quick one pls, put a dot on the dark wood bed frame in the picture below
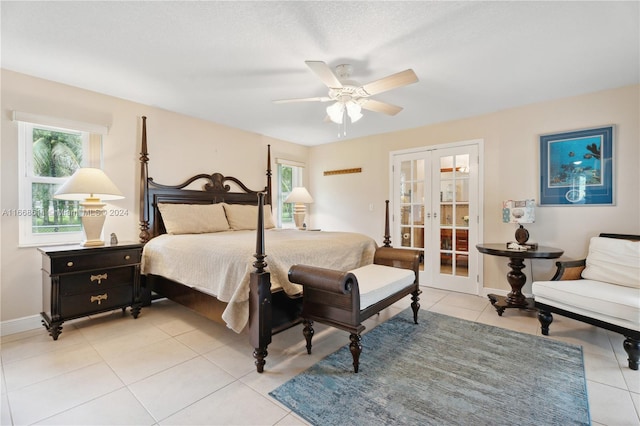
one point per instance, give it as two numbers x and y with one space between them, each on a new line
269 313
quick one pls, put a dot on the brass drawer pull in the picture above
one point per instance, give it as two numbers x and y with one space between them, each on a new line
69 264
99 278
99 298
127 257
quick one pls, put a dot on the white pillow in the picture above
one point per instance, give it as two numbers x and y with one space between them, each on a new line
243 216
614 261
193 218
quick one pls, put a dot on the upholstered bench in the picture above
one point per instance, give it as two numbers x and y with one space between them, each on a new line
345 299
602 290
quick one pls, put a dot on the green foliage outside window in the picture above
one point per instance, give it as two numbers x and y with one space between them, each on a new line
55 154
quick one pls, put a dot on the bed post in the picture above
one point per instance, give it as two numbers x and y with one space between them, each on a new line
268 198
260 296
144 185
387 235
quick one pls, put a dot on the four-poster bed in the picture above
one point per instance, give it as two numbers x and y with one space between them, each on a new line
241 291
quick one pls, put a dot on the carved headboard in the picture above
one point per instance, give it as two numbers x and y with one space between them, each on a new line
216 189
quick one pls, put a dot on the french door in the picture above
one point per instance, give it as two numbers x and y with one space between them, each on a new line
435 209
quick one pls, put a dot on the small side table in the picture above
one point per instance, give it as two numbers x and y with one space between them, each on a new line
515 298
79 281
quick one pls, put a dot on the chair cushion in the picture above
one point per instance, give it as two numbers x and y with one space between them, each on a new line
377 282
610 303
613 260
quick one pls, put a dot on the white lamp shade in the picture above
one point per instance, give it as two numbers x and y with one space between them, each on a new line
299 194
88 183
336 112
518 211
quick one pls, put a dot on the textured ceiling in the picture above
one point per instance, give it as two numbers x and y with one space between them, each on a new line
227 61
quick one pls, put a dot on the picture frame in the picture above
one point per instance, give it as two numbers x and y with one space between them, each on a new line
576 168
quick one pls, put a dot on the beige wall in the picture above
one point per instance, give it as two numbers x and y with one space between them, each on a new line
511 170
179 147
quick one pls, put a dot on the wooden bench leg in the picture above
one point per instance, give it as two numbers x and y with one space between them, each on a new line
632 347
415 306
307 331
545 319
356 350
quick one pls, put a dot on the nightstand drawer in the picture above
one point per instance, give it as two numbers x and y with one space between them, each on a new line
83 262
96 281
97 301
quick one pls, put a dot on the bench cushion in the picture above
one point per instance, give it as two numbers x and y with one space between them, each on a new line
377 282
614 261
610 303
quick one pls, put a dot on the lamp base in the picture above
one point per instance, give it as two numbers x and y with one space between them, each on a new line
299 212
93 216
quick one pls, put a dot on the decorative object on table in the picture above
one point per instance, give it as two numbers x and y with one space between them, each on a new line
521 211
576 168
114 239
515 298
90 186
444 371
300 196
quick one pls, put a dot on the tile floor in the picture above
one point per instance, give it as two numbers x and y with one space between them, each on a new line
173 367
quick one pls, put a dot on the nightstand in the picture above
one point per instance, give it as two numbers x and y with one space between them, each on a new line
79 281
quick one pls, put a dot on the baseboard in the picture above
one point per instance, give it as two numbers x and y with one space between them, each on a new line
20 324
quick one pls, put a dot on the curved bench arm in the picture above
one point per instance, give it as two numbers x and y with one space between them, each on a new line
322 279
398 258
569 270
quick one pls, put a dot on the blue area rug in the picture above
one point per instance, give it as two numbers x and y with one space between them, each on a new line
443 371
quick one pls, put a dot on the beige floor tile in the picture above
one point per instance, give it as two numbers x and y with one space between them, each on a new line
28 344
53 396
236 359
135 364
604 369
223 408
113 346
292 420
116 408
611 406
171 390
35 369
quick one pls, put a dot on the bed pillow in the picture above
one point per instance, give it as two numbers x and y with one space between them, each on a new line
242 216
193 218
613 260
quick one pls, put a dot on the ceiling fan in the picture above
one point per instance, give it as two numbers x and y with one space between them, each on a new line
349 96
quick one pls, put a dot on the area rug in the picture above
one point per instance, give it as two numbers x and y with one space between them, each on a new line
443 371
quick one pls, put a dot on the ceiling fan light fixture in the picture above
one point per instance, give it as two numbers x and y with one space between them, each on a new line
354 111
336 112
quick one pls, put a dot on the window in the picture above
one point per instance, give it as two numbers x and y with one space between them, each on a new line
48 156
289 176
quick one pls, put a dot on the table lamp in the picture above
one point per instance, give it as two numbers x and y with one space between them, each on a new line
519 212
90 186
300 196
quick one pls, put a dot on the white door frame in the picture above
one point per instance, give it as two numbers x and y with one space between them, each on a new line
480 215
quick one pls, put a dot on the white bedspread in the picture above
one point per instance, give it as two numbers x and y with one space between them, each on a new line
220 263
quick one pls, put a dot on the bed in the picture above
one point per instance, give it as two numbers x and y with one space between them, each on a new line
215 263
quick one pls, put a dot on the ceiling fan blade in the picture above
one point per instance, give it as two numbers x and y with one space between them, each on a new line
325 73
393 81
316 99
377 106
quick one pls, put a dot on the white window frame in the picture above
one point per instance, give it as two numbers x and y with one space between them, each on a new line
298 180
92 157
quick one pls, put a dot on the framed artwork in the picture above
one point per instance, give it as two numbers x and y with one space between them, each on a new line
576 168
